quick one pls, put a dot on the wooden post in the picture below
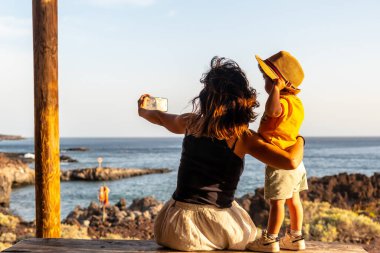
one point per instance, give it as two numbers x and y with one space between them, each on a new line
46 129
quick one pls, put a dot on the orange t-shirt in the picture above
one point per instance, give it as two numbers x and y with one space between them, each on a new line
282 131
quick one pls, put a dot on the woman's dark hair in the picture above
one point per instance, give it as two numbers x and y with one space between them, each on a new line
224 107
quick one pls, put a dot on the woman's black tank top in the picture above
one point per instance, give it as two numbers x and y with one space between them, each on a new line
208 173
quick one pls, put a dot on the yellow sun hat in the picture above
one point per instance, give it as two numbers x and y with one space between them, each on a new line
283 65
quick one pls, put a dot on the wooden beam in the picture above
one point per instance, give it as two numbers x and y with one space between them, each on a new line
46 129
116 246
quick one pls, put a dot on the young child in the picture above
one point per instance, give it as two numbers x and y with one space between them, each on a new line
280 125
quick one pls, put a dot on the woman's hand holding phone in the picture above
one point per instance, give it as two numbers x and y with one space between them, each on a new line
153 110
142 104
148 102
149 106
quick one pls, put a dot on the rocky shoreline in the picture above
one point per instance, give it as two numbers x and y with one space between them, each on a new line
356 192
76 149
133 221
343 207
16 173
106 174
4 137
29 157
13 173
136 222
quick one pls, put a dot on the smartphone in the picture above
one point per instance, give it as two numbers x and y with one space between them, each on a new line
157 103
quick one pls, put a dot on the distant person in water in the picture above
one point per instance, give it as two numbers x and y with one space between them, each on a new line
279 126
202 214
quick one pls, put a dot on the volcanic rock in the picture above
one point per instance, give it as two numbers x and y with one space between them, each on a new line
13 173
105 174
126 221
347 191
79 149
4 137
29 157
67 159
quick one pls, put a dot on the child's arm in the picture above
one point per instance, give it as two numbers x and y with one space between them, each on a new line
173 122
273 106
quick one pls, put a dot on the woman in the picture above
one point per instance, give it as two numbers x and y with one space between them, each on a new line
202 214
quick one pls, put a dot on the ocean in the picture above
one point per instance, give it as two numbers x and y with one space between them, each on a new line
323 156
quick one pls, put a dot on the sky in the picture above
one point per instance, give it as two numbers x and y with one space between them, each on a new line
112 51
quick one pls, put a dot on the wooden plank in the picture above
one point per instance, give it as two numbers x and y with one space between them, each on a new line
46 130
38 245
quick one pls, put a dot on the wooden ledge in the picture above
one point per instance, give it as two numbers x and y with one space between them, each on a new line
75 245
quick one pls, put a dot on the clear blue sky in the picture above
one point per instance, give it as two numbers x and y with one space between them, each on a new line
112 51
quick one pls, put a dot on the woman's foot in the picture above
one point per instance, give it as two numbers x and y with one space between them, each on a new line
292 242
264 244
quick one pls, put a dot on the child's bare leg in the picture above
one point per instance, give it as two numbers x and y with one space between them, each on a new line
294 239
276 216
295 211
269 241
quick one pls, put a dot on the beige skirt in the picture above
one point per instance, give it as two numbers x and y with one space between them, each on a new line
192 227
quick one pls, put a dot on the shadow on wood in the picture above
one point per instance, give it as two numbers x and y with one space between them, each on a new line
73 245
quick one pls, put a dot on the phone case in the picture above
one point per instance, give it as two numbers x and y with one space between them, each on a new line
157 103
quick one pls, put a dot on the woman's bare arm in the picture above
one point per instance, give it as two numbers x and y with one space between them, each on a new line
173 122
272 155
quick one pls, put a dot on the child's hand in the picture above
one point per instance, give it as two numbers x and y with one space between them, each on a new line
280 83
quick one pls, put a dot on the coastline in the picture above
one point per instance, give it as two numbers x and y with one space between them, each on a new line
4 137
340 221
165 151
15 172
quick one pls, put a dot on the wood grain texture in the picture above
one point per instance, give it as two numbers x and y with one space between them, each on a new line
72 245
46 130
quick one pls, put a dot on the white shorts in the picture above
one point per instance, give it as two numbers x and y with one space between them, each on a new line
281 184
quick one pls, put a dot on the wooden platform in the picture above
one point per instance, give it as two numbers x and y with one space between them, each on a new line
72 245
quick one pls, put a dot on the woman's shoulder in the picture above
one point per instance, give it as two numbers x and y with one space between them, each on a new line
250 140
250 135
187 116
185 119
